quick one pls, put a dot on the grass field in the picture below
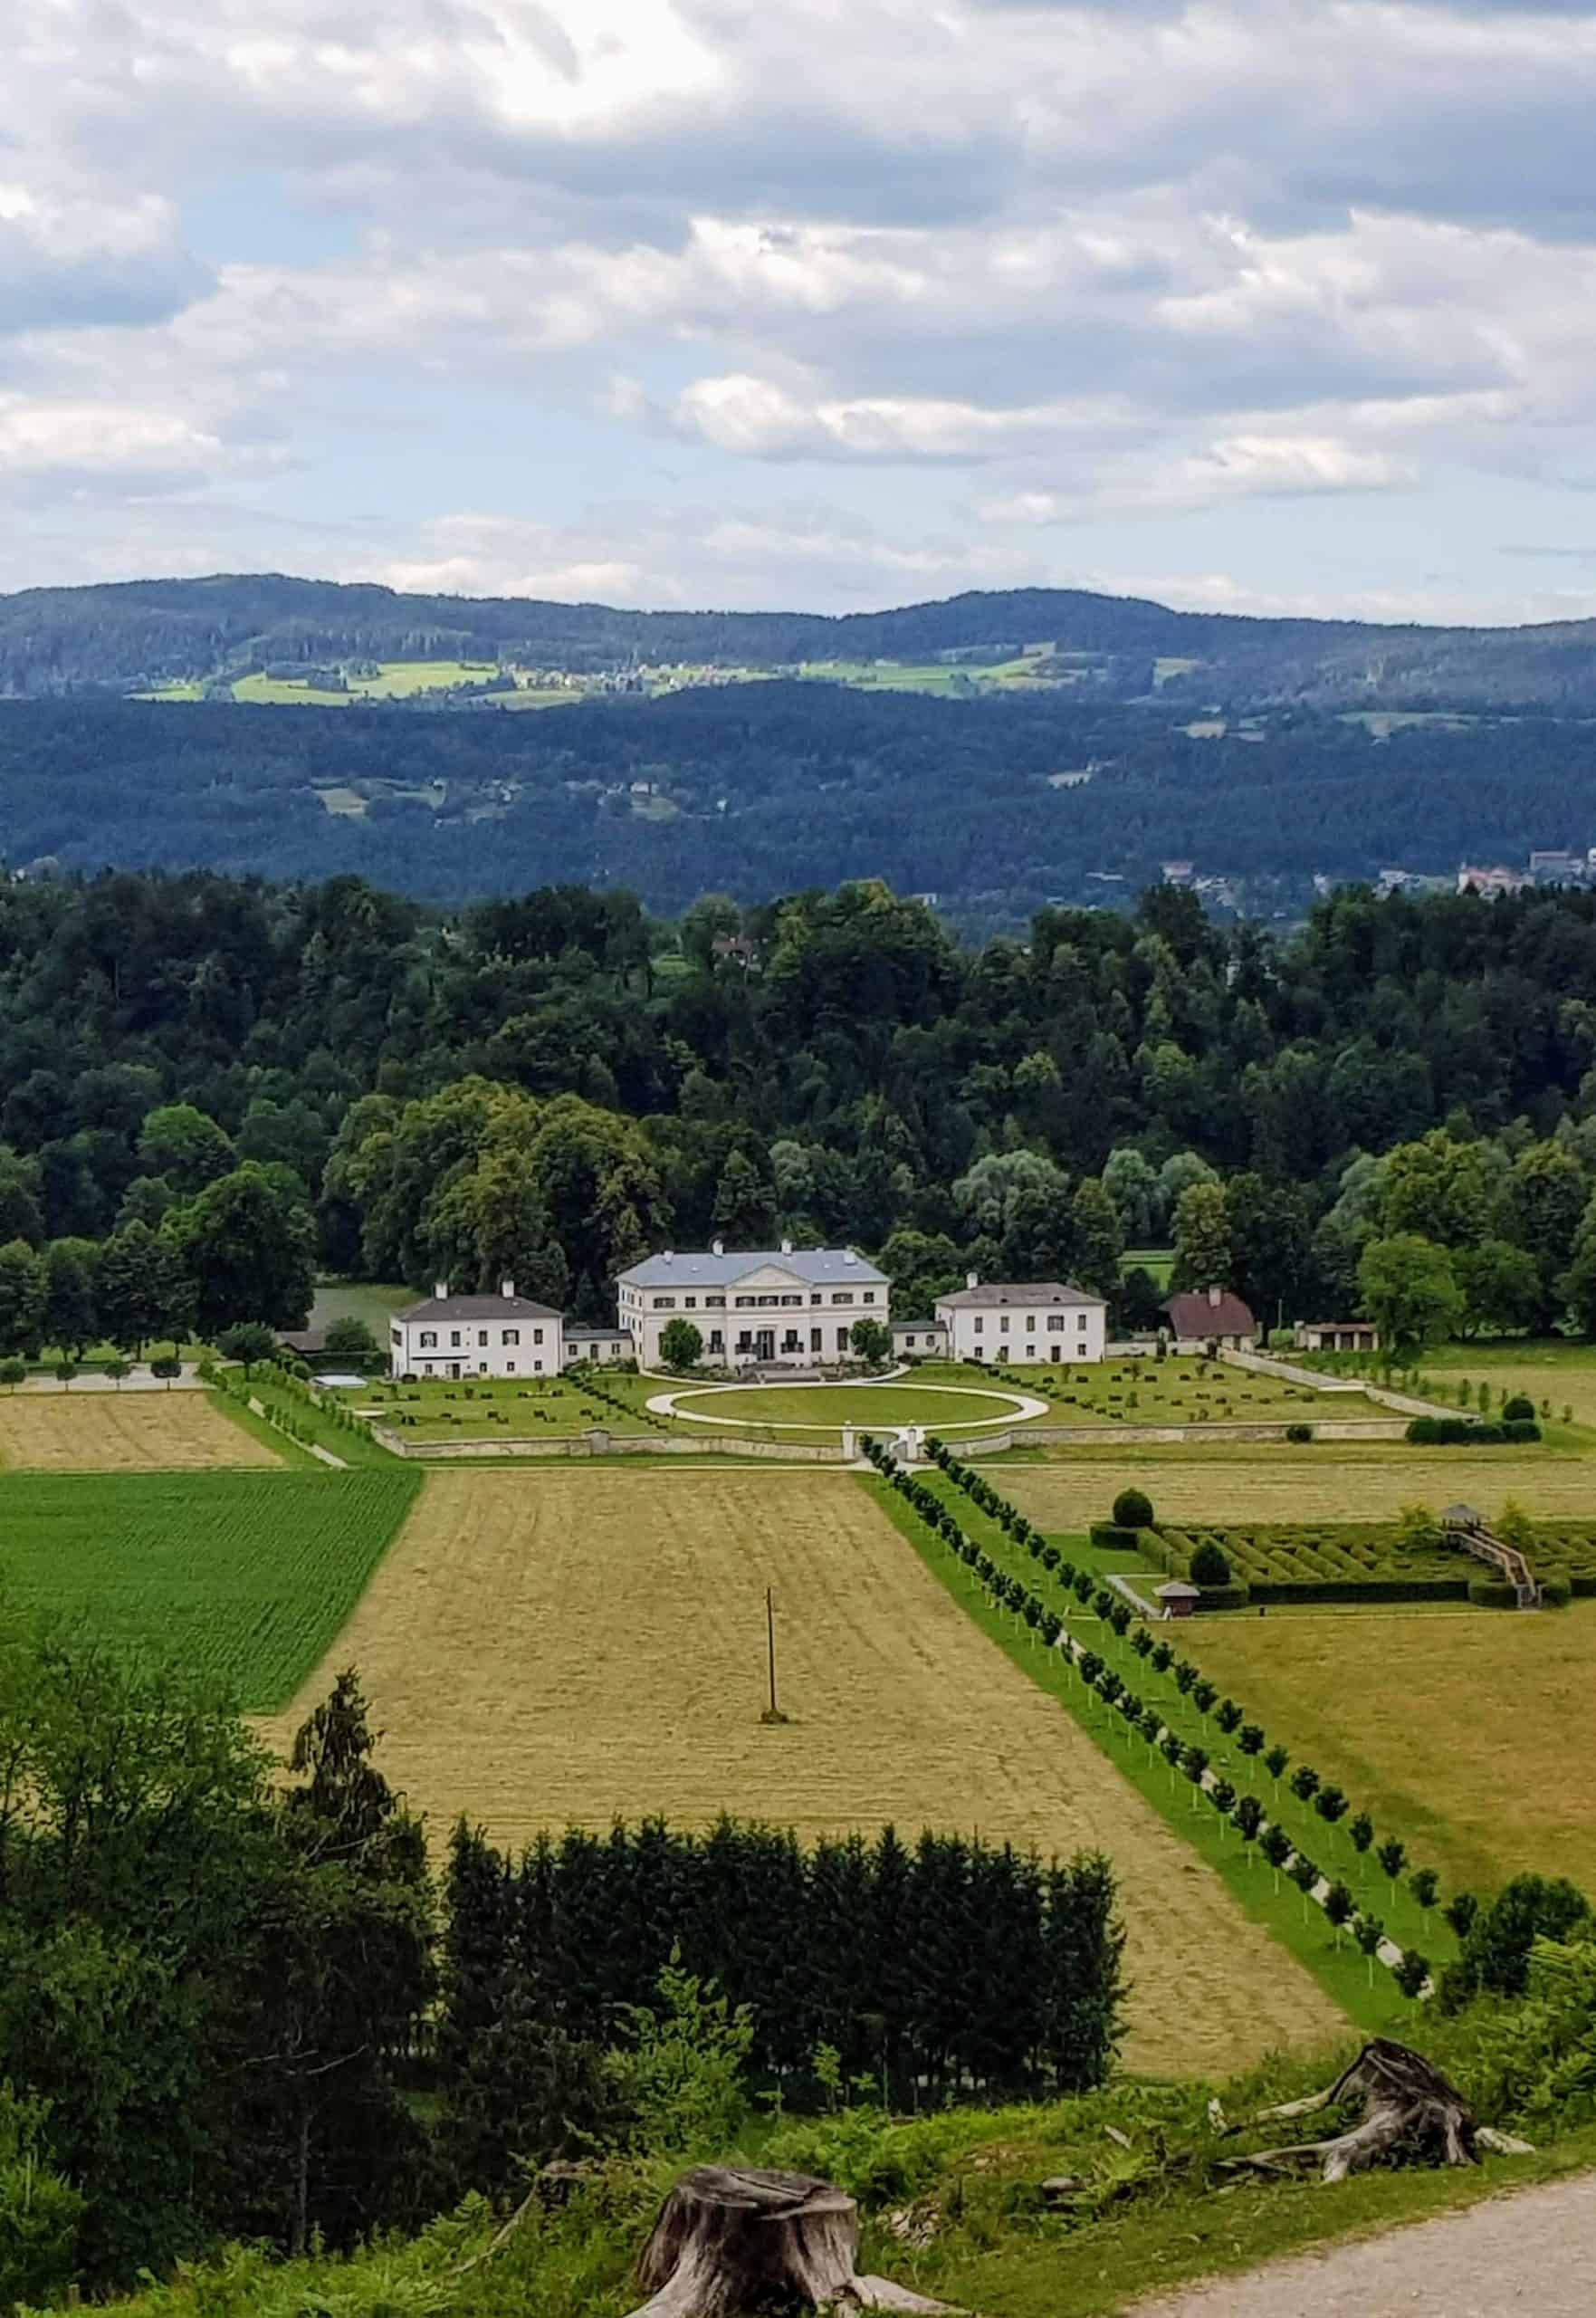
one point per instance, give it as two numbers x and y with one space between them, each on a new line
546 1648
242 1577
511 1407
372 1301
826 1407
1470 1735
141 1432
1332 1480
1177 1391
1563 1373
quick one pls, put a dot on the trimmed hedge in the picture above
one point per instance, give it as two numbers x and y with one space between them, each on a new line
1113 1537
1363 1589
1465 1432
1492 1593
1234 1597
1556 1591
1299 1433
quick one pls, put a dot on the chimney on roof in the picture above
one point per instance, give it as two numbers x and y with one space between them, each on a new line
972 1279
669 1255
717 1247
787 1247
1214 1296
439 1288
507 1288
848 1256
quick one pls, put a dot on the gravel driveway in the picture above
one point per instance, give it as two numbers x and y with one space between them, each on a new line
1529 2255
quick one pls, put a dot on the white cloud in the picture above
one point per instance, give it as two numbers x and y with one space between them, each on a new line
1155 262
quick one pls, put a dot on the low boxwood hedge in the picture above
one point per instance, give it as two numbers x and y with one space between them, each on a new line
1364 1589
1492 1593
1556 1590
1465 1432
1112 1537
1234 1597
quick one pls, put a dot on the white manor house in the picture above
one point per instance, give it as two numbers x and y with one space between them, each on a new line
784 1307
1019 1320
504 1335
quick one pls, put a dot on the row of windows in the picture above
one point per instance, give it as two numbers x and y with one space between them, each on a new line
429 1338
1056 1323
433 1367
761 1303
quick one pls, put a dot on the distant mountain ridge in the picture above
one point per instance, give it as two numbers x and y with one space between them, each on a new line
125 635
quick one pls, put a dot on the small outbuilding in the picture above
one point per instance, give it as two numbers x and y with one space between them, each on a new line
1179 1600
1467 1517
1337 1336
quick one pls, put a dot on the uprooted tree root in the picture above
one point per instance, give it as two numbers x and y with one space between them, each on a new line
732 2238
1409 2110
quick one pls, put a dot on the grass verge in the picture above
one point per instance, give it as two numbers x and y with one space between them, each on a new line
1367 1995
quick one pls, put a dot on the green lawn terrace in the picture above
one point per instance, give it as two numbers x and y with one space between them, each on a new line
1180 1389
483 1408
962 1402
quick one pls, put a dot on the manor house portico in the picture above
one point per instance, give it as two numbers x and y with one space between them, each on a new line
782 1307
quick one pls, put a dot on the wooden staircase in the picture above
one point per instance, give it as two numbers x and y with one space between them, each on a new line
1466 1528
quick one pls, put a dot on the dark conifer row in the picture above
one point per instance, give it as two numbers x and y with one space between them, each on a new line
949 1970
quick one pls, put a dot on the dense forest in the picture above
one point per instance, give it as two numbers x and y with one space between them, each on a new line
119 638
210 1087
997 806
234 2009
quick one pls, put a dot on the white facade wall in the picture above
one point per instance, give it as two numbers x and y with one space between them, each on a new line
499 1347
1017 1333
766 1317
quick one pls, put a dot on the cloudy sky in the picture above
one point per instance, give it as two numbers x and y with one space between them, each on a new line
1255 304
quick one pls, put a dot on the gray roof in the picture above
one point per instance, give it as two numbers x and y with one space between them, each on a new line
477 1308
1020 1291
574 1333
818 1267
1177 1590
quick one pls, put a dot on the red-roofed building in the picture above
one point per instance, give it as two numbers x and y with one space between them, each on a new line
1200 1317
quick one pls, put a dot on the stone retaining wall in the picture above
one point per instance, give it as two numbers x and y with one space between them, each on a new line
612 1444
1109 1436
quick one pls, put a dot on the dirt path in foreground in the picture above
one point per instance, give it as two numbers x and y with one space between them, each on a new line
1534 2251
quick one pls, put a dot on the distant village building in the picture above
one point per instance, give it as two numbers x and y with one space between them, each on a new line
787 1307
1213 1315
1337 1336
1019 1320
1178 873
1556 866
1491 882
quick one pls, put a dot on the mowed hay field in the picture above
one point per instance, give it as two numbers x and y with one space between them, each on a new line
1473 1736
123 1433
541 1649
1275 1481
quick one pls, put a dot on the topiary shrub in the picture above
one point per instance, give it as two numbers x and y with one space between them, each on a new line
1133 1509
1208 1564
1299 1433
1519 1406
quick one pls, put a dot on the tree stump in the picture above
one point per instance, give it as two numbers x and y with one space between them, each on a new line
732 2238
1408 2107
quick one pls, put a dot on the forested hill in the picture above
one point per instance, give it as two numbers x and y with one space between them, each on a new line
123 638
995 806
